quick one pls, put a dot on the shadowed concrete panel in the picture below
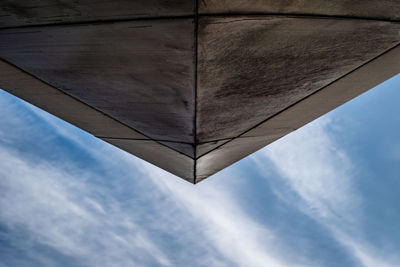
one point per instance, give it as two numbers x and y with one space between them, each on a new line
384 9
140 73
158 155
34 12
250 68
323 101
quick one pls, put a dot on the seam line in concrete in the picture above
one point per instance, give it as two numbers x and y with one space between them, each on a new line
196 44
215 140
144 139
294 15
95 22
299 101
197 15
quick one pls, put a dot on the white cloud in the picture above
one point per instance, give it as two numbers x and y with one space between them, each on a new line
320 177
227 227
87 222
62 212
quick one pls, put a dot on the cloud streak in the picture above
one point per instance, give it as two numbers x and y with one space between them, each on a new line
81 215
61 212
321 180
117 210
227 227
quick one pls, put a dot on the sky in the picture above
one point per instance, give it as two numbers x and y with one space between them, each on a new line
327 194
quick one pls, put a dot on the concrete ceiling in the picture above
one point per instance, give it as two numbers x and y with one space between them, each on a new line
193 87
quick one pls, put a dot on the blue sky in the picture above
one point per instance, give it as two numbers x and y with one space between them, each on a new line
325 195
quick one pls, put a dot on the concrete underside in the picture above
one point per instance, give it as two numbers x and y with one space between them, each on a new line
194 87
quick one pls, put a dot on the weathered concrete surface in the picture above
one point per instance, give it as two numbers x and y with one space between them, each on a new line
250 68
384 9
125 71
35 12
348 87
168 159
141 73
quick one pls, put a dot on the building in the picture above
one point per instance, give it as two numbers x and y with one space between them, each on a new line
189 86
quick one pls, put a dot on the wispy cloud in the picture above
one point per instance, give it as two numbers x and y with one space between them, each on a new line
321 180
62 212
227 227
121 211
73 212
